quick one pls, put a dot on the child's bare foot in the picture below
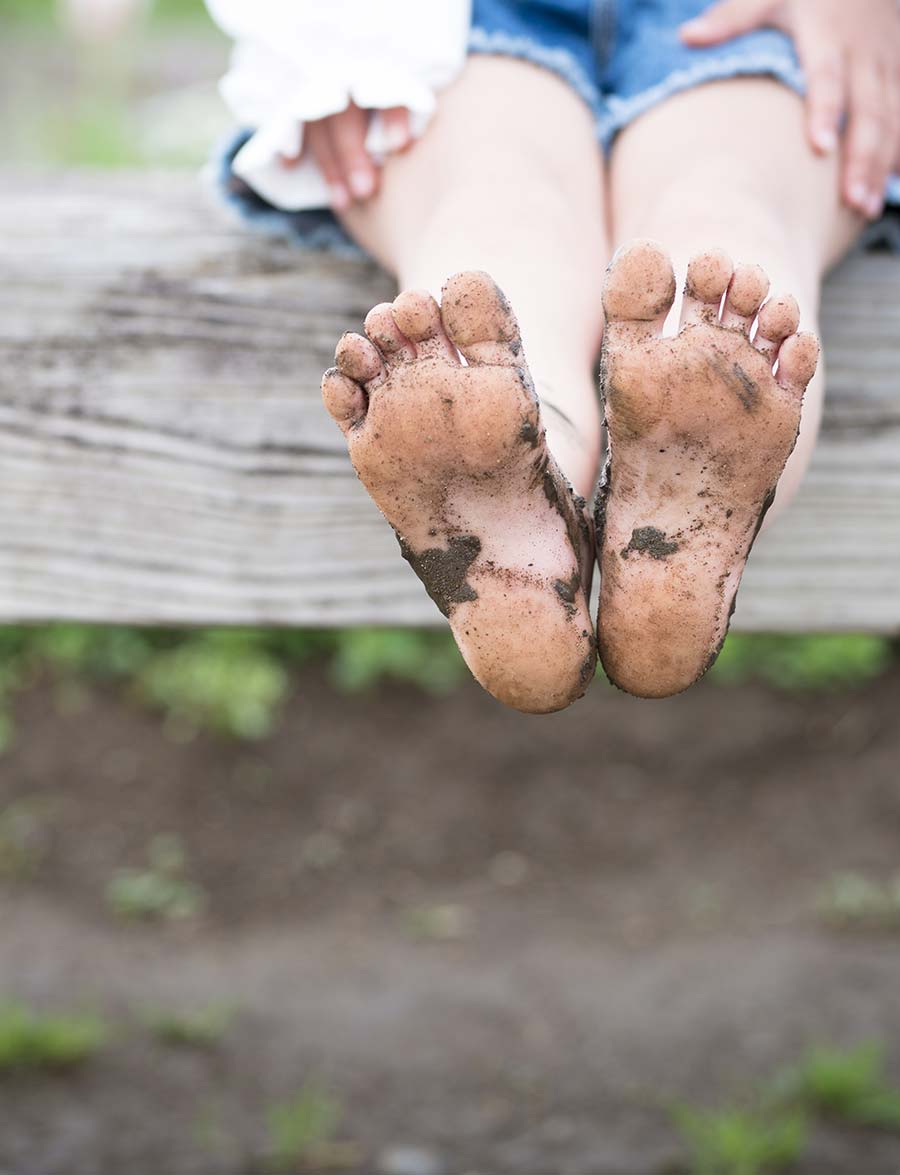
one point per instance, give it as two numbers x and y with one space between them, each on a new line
456 459
699 432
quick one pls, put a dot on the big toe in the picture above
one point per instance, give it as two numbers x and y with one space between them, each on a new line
640 284
479 320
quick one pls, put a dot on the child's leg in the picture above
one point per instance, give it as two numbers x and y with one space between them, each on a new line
507 180
728 164
724 165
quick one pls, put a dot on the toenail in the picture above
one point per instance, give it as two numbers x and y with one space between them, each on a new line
395 138
361 184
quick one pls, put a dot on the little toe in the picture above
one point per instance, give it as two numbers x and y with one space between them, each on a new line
778 319
393 344
748 288
797 362
708 277
418 317
640 287
358 359
479 320
344 398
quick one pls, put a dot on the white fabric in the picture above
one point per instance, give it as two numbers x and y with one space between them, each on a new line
295 61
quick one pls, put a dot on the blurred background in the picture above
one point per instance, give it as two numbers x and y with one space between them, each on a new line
308 901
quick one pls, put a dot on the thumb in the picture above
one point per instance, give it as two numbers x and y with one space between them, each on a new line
729 18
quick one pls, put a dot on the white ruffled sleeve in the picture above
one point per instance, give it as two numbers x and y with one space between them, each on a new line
295 61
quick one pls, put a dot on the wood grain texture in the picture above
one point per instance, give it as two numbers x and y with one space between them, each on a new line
166 458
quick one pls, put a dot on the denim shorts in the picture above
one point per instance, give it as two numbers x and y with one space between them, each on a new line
622 57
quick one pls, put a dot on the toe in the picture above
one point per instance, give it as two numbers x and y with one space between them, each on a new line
640 286
344 398
797 362
778 319
478 319
418 317
358 359
393 344
708 277
748 287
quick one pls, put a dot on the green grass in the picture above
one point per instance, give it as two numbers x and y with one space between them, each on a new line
845 1085
768 1132
222 681
199 1028
160 892
740 1142
825 662
32 1040
851 901
163 13
234 682
440 923
302 1131
366 656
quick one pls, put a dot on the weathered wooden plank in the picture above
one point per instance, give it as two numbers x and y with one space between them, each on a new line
165 457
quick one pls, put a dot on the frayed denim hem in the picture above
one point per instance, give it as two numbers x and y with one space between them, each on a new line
558 61
316 229
619 112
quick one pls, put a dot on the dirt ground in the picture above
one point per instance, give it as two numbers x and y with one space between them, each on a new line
633 918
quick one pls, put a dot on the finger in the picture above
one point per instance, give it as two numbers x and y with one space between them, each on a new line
825 67
290 158
864 139
727 19
397 131
891 141
348 136
318 142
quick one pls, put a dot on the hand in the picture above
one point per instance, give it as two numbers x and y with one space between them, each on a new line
338 145
851 55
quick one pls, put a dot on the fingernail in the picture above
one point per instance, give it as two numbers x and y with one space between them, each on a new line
340 197
858 194
825 139
362 184
874 206
698 25
396 138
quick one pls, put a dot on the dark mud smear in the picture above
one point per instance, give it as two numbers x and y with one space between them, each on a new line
737 380
589 664
530 433
601 501
647 540
568 590
568 505
443 570
747 389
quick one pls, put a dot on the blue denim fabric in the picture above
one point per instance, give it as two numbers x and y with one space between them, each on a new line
621 56
625 56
